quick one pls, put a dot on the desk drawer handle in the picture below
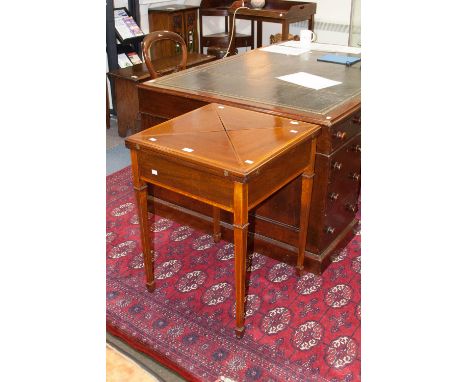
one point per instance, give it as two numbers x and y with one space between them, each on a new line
337 165
334 196
340 134
352 207
356 148
330 230
355 176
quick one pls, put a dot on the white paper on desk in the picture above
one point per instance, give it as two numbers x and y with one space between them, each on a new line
309 80
323 47
290 50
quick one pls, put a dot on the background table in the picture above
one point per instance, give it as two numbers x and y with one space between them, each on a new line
275 11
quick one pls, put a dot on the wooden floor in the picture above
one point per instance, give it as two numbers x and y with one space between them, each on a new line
119 368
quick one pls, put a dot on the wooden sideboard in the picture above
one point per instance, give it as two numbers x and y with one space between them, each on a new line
181 19
249 81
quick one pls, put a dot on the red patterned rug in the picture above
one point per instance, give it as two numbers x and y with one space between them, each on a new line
297 328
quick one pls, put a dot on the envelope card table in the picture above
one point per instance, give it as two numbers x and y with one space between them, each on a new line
231 159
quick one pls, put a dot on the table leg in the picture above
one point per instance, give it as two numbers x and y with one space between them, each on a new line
307 183
252 34
232 34
306 196
141 194
216 227
240 251
259 33
284 31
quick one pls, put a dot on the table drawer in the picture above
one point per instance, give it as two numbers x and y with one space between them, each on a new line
193 182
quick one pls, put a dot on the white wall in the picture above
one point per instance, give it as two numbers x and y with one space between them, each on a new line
120 3
355 38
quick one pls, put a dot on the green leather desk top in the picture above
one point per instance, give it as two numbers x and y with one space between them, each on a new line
250 78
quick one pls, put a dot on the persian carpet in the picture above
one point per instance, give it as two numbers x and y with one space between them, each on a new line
297 328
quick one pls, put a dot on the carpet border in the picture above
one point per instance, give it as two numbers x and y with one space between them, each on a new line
153 354
116 172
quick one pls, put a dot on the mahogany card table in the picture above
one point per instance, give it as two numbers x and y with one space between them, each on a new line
231 159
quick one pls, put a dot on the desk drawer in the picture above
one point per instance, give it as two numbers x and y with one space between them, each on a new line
337 220
343 190
345 173
337 135
346 162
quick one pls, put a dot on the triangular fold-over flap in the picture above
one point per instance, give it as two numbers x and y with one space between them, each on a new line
240 119
208 147
255 146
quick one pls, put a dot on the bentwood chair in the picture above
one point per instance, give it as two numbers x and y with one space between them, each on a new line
160 36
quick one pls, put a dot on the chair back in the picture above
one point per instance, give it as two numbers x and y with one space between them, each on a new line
159 36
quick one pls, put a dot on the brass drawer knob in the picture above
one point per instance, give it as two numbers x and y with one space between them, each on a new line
352 207
355 176
337 165
330 230
340 135
334 196
356 148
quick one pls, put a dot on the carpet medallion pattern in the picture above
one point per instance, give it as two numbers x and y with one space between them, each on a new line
297 328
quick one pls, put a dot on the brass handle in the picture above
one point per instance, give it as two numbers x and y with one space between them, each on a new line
356 148
357 119
340 134
330 230
337 165
334 196
352 207
355 176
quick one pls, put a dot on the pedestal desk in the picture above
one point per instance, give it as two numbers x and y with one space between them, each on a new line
249 81
228 158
